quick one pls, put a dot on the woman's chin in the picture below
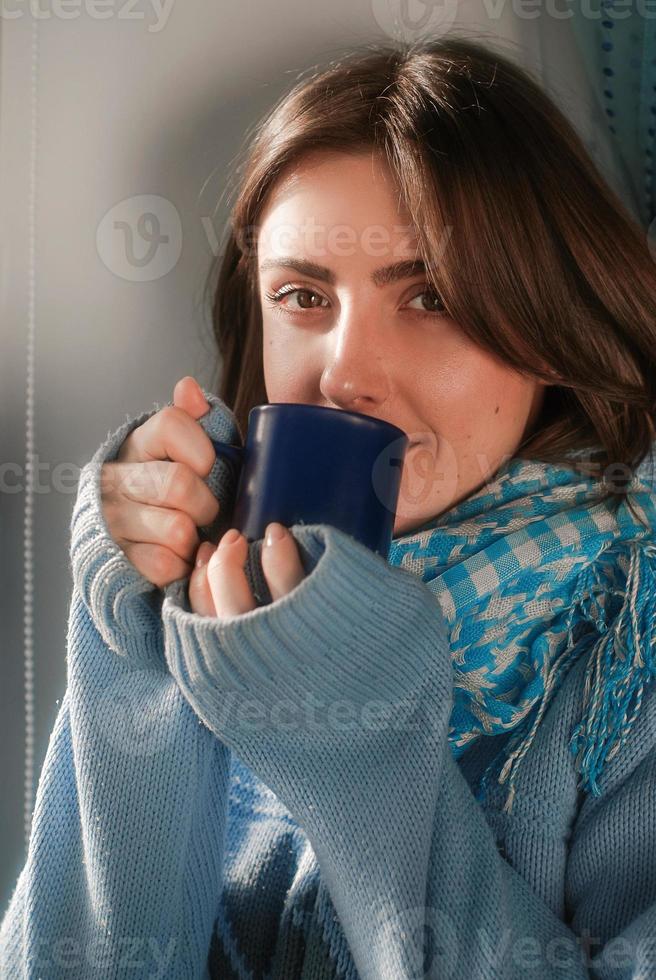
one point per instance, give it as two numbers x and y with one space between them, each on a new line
402 525
408 524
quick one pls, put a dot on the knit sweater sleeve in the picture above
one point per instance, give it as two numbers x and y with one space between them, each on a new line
338 696
123 605
125 856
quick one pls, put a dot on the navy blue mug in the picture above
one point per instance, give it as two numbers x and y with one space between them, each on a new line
309 464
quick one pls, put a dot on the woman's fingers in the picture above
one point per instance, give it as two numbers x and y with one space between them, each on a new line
229 586
200 594
171 529
162 484
188 395
281 562
159 565
170 434
224 581
154 494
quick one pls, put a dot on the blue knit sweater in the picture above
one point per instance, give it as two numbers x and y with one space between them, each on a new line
273 795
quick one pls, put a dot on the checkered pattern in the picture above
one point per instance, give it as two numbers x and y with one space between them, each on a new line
531 572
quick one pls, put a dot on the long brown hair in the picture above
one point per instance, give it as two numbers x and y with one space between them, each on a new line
545 268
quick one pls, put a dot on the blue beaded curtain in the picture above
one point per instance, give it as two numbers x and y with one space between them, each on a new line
617 39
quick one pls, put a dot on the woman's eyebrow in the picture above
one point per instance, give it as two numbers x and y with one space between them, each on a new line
380 277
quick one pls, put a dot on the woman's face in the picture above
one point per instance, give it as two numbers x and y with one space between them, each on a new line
348 333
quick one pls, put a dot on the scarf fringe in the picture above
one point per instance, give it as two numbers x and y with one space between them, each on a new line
621 661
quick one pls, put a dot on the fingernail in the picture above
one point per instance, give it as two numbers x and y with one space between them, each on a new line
203 554
230 537
274 532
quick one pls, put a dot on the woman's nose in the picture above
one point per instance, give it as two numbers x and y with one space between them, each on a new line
354 376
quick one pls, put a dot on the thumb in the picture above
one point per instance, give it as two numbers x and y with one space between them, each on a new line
189 396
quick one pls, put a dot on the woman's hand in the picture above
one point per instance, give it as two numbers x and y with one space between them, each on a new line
154 495
218 585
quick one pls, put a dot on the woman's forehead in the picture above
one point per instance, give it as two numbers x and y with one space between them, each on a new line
331 182
326 221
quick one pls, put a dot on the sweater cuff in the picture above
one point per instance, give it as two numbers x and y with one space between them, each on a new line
355 632
124 605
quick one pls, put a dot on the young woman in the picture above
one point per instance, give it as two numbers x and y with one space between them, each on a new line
438 765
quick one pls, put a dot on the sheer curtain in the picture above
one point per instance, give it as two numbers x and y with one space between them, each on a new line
597 59
618 49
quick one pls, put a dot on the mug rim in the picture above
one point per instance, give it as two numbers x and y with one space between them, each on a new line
310 409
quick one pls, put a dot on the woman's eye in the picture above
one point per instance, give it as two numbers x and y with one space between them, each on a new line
307 299
304 298
434 302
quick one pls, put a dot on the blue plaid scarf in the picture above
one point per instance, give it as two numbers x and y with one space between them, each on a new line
532 572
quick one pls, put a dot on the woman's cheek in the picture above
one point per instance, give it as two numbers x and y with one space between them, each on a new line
285 370
430 478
